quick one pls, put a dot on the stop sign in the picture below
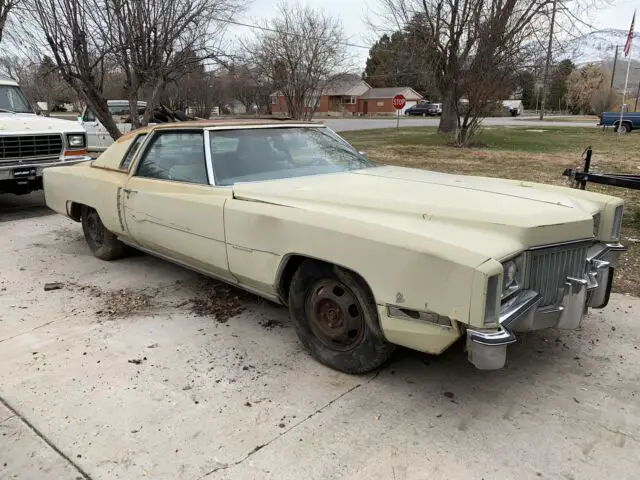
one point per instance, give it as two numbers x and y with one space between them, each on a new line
399 102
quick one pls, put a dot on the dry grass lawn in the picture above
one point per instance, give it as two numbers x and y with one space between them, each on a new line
523 154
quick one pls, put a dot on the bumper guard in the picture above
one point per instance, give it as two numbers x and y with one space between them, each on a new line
521 313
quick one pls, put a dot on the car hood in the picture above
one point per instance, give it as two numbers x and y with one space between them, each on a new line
11 123
504 216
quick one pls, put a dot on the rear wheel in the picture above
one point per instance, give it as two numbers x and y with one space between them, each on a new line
335 317
102 243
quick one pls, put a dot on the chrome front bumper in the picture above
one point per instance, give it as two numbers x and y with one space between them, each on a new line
521 313
6 171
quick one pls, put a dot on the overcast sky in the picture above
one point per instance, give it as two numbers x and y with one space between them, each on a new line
352 13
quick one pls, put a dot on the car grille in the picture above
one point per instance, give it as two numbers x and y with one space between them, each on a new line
16 147
549 267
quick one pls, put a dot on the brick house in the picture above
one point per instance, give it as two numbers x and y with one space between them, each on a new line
352 96
378 100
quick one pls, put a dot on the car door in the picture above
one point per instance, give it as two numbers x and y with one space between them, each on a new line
170 205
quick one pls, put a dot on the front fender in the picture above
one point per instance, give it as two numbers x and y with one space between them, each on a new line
402 268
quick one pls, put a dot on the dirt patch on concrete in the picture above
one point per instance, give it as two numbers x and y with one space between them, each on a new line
219 300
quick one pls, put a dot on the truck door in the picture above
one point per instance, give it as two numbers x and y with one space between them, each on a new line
92 126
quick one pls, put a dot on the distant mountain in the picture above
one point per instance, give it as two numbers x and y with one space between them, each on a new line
599 48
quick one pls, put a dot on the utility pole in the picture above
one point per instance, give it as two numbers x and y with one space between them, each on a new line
613 72
546 66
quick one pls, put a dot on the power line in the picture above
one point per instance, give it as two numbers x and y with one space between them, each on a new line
281 32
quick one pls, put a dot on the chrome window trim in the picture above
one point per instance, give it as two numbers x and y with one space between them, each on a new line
208 158
561 244
265 126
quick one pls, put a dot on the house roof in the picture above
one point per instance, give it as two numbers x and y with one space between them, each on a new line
390 92
345 86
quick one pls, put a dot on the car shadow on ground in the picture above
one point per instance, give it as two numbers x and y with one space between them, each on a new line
20 207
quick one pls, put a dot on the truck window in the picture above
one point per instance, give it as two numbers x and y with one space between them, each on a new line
88 116
13 100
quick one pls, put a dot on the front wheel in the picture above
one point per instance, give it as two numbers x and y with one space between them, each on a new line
335 318
624 128
102 243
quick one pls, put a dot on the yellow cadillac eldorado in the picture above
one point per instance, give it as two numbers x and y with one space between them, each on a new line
365 257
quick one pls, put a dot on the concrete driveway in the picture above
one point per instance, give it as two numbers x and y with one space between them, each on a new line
123 370
347 124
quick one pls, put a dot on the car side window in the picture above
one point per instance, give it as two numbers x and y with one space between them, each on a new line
135 146
89 116
177 156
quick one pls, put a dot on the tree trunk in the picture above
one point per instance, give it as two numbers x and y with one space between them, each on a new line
98 105
449 117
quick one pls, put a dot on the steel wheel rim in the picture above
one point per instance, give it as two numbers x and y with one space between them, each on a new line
335 315
95 229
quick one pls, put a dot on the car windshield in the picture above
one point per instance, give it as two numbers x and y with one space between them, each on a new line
12 99
257 154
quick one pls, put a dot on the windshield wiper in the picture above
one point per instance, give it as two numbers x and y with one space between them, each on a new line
6 110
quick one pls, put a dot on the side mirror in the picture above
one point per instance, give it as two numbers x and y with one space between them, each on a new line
80 119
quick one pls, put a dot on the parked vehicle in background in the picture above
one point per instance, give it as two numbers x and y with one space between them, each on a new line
630 121
512 107
29 143
424 109
97 136
366 257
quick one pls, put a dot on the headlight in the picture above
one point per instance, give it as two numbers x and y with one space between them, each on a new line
512 275
509 278
617 223
76 140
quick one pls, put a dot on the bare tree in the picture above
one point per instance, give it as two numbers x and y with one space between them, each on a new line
150 42
160 41
78 49
248 86
588 89
6 6
467 43
298 51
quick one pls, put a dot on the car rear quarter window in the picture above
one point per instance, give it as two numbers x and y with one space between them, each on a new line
177 156
131 153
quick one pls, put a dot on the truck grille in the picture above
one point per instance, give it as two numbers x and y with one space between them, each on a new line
15 147
549 267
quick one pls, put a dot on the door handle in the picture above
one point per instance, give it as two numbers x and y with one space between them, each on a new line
129 191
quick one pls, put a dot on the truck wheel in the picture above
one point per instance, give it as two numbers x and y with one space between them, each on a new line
624 128
102 243
335 317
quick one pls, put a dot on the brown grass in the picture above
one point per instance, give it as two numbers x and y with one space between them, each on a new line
511 157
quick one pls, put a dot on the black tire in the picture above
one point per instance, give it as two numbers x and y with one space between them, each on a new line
625 128
102 243
356 344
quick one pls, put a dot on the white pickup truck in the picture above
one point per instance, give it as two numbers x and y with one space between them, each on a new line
29 142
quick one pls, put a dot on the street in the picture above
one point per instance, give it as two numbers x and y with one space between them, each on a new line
347 124
140 369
